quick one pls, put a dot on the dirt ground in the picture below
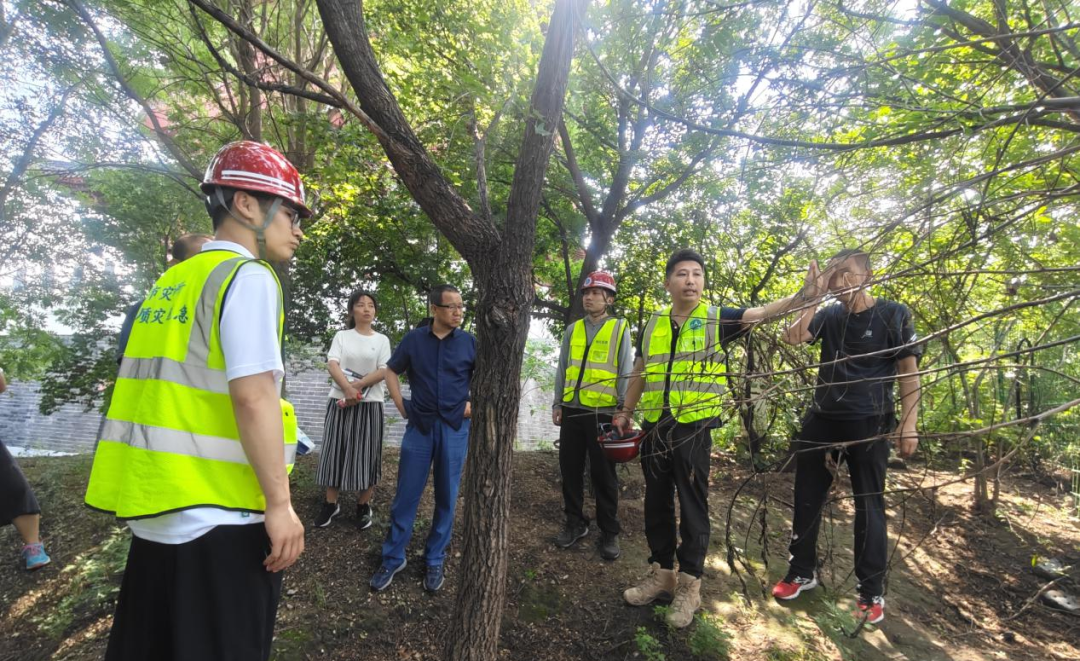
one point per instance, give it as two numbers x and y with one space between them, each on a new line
960 587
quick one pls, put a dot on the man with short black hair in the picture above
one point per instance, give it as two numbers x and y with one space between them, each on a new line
867 344
590 383
438 359
197 446
679 378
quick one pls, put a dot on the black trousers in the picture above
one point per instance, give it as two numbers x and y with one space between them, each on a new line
577 438
208 599
675 461
866 464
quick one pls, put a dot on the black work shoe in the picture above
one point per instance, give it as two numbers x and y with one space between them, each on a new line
609 546
570 534
327 514
364 516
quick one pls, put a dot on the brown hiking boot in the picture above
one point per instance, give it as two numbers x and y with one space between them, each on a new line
659 584
687 601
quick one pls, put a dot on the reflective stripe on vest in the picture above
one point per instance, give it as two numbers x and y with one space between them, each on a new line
598 371
170 441
695 374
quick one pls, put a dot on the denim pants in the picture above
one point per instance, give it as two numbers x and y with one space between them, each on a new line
441 451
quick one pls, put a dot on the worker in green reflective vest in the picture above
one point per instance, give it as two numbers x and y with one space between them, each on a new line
197 444
590 383
677 385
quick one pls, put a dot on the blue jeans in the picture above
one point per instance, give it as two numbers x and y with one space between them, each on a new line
446 449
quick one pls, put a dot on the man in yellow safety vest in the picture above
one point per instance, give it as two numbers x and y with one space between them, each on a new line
678 380
590 383
195 452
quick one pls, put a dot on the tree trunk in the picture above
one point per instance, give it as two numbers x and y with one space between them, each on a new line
502 270
505 303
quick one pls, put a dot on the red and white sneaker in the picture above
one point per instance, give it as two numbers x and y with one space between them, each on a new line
872 608
792 586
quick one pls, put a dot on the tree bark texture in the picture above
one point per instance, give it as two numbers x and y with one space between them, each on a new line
501 264
505 302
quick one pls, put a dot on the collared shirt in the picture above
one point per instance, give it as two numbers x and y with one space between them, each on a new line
439 372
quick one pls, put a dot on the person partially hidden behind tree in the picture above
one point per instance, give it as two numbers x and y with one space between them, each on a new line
866 344
679 380
185 246
18 506
590 383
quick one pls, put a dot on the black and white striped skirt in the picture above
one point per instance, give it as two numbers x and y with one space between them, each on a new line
350 458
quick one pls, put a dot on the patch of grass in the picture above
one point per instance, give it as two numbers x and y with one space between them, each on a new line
291 645
93 583
836 623
648 645
708 640
539 602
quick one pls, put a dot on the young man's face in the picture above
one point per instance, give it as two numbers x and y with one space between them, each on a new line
686 282
595 299
282 235
848 279
451 311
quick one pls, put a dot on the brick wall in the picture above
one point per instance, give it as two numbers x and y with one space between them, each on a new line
71 429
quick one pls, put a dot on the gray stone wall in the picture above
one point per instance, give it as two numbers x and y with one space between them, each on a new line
73 430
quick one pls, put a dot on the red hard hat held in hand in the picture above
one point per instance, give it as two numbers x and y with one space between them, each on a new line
253 166
620 448
601 279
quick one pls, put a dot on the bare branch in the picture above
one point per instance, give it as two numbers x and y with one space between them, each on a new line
162 135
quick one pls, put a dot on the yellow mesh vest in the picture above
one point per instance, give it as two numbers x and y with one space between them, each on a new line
601 369
170 440
697 377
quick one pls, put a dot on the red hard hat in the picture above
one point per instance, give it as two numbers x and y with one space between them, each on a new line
253 166
621 448
601 279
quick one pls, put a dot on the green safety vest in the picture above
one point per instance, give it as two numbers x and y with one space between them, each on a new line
694 375
592 370
170 440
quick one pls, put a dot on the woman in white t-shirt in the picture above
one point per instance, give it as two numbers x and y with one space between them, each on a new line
351 454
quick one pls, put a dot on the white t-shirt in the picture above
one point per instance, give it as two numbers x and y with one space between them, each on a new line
362 354
249 341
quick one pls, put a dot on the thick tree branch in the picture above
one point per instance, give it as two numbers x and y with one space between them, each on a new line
474 237
584 194
544 117
1009 53
27 156
254 39
166 139
253 81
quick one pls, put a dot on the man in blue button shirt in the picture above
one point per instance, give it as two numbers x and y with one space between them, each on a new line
438 359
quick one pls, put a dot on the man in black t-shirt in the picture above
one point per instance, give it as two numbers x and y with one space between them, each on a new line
866 345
